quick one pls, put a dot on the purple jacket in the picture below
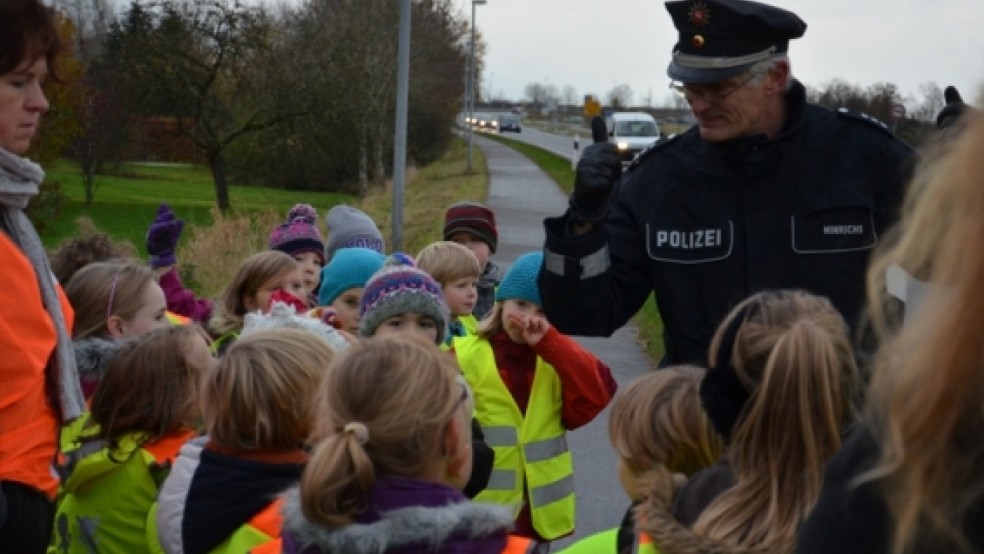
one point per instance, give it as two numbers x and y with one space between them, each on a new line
182 301
404 516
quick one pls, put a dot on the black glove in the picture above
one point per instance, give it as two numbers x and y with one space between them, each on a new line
954 108
597 172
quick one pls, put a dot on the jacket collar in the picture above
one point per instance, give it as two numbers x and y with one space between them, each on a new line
432 526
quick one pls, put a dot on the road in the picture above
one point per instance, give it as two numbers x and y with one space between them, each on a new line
560 144
521 195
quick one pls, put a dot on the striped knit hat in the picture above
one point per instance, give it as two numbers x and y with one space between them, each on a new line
399 288
299 233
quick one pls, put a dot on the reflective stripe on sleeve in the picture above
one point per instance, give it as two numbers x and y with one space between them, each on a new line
587 267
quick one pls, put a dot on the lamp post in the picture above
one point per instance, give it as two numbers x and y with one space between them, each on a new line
469 86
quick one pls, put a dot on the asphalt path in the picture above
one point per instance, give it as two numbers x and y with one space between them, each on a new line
521 196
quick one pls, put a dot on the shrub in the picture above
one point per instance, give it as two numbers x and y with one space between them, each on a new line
47 205
210 255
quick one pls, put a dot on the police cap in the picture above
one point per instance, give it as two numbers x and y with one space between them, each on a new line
722 38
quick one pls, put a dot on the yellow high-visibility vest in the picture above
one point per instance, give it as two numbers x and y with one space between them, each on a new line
530 451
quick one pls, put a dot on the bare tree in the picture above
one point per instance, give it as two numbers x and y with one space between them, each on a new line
620 97
538 95
199 64
570 97
342 53
931 104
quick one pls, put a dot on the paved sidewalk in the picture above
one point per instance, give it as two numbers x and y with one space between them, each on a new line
521 195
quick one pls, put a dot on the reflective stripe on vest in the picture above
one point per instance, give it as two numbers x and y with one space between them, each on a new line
530 451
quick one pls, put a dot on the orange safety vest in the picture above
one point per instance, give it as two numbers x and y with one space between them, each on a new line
28 422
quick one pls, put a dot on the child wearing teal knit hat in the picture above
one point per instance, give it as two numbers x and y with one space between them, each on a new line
532 384
343 281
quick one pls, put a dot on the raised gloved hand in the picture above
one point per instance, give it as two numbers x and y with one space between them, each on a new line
162 237
952 110
597 172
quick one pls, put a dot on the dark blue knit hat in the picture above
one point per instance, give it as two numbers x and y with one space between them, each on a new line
520 282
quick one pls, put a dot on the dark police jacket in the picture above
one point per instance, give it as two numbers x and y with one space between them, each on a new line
704 225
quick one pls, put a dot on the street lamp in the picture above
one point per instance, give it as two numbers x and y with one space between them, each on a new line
469 87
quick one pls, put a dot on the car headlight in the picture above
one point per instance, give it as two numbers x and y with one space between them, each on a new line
623 146
495 124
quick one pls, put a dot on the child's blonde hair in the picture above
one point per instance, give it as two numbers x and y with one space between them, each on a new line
925 399
658 420
251 275
103 289
150 386
261 395
792 354
448 261
384 407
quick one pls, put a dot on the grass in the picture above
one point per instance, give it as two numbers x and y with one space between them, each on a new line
650 327
125 204
429 192
214 244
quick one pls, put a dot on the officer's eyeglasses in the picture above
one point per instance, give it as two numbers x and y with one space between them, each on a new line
713 94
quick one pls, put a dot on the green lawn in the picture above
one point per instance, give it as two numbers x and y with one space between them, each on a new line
125 204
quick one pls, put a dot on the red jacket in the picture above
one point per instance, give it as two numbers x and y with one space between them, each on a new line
587 385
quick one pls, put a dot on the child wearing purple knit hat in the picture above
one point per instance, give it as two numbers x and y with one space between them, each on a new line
299 237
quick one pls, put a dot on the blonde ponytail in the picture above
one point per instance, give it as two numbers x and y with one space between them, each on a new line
794 356
383 409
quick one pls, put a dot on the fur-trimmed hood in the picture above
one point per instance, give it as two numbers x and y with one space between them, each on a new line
654 516
92 355
456 527
282 316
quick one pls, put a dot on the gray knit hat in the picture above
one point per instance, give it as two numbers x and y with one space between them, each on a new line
399 288
349 227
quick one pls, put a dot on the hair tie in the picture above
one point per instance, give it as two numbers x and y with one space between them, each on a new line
722 393
359 430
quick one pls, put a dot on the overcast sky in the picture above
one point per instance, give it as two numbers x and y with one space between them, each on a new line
592 44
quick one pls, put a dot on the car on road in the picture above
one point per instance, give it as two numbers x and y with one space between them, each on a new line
631 132
485 121
509 122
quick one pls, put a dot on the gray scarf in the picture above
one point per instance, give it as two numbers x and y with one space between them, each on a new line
19 180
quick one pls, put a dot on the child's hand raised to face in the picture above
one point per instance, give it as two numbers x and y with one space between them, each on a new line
532 326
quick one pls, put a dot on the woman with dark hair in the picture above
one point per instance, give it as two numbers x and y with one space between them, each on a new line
40 383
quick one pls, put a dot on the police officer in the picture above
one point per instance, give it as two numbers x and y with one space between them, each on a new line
765 191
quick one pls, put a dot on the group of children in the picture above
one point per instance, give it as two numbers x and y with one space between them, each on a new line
200 460
449 436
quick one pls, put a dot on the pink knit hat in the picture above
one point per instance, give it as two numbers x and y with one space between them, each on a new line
299 233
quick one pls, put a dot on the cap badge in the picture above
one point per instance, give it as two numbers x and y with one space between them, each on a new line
698 41
699 15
